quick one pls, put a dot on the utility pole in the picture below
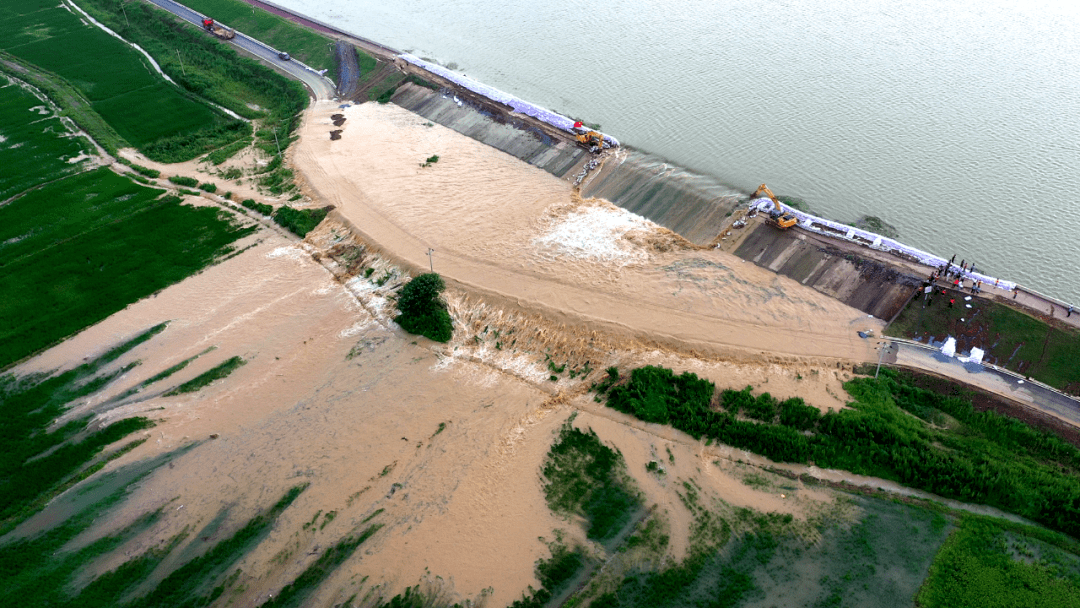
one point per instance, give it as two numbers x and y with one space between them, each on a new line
124 8
276 142
881 355
431 264
181 62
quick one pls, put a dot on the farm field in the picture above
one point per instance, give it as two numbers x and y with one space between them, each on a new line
85 247
211 69
117 81
35 144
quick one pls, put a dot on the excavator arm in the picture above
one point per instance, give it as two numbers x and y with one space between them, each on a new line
777 217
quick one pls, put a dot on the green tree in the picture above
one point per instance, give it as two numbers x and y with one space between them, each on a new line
422 310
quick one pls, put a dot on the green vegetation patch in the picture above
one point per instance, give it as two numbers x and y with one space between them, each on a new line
36 462
299 221
225 153
988 460
1011 339
34 144
989 563
92 244
217 372
262 208
422 310
587 478
183 180
115 79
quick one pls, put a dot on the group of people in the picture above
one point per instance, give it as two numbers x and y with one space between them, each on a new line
956 273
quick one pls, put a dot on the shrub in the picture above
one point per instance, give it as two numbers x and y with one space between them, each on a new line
795 413
208 187
183 180
422 310
262 208
300 221
763 408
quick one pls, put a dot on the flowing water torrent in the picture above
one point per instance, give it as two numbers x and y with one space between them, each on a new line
956 123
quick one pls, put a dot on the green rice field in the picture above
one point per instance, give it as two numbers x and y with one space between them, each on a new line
35 146
78 250
117 81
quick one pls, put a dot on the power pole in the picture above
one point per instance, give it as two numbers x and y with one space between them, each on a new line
124 8
181 62
431 264
881 355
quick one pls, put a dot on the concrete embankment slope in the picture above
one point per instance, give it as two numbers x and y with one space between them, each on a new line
835 268
495 127
689 204
693 206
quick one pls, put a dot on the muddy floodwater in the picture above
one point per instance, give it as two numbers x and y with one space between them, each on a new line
442 446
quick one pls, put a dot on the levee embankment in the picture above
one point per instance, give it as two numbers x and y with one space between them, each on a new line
834 268
694 206
496 126
691 205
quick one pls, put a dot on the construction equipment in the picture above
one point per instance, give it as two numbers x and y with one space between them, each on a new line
777 216
218 30
594 140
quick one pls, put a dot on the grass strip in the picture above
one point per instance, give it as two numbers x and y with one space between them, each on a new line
217 372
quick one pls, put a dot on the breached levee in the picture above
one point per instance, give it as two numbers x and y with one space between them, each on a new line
471 118
693 206
689 204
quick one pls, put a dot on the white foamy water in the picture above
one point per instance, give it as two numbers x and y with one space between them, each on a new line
955 121
597 234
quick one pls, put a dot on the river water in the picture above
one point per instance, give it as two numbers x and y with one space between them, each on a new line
958 122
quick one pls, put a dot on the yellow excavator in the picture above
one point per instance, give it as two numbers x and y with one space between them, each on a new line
777 216
594 140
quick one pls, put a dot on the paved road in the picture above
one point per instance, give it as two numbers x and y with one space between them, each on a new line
320 86
992 379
